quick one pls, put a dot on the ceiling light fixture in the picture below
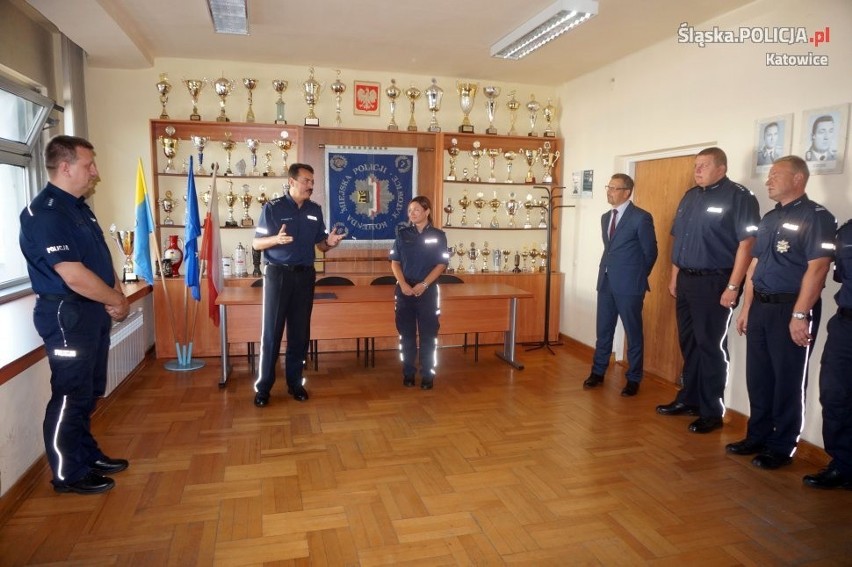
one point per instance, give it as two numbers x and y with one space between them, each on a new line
229 16
545 26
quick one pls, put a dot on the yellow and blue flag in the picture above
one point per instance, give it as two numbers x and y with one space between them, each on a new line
144 228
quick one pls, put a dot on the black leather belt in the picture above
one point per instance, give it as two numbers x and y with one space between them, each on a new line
844 312
75 297
776 297
691 272
291 267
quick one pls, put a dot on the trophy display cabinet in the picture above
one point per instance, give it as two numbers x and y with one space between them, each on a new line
180 139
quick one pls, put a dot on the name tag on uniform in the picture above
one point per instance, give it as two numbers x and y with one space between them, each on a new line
716 210
430 240
312 217
789 226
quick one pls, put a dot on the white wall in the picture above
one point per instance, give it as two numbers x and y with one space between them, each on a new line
673 95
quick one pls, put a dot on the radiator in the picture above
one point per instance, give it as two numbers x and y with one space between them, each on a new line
126 349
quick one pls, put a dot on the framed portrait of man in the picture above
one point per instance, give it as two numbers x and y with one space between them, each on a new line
823 138
772 140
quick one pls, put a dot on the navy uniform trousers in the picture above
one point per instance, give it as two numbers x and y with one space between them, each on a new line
835 392
76 338
418 316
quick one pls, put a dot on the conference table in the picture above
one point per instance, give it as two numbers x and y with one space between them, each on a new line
351 312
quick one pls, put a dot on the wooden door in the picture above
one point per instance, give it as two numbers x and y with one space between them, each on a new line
660 184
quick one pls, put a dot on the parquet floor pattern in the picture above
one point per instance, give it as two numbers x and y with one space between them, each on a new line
494 466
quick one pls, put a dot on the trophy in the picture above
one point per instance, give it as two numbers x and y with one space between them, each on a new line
124 241
494 203
475 154
338 87
453 150
525 253
479 203
195 86
267 171
250 84
434 94
491 93
528 204
543 206
230 200
412 93
280 86
497 259
506 252
492 154
451 250
513 105
531 156
467 94
168 205
472 255
246 198
311 89
449 210
517 268
393 93
164 87
284 144
486 252
548 159
253 144
534 253
223 88
542 267
532 107
262 199
549 110
170 145
460 252
509 157
228 145
512 208
199 142
464 203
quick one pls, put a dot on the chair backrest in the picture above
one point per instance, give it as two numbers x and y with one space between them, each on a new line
257 283
449 279
384 280
334 280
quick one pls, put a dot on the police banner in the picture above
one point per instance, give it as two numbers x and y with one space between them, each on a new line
367 192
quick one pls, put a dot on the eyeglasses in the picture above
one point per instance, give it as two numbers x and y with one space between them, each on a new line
611 188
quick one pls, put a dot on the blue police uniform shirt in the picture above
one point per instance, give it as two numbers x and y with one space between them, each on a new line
843 266
59 227
788 238
710 223
305 224
419 252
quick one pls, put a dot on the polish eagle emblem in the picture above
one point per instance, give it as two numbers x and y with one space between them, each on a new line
368 98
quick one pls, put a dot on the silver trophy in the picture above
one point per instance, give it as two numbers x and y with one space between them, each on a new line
495 205
280 86
228 145
250 85
476 154
472 255
467 95
168 204
512 206
223 88
338 87
311 90
486 252
492 154
513 105
393 93
124 240
549 113
510 158
253 144
199 142
548 160
449 210
434 94
532 108
491 93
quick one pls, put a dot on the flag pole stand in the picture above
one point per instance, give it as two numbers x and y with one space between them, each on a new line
184 362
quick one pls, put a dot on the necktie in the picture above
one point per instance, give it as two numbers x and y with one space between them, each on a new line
612 223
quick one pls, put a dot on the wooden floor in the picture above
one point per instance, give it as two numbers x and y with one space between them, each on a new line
494 466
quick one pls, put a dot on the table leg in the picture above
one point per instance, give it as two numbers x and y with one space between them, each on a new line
508 354
223 337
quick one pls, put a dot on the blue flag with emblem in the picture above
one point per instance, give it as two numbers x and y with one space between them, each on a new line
193 231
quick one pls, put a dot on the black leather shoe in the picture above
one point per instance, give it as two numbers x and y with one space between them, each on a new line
260 400
426 385
631 389
771 460
298 392
744 447
828 478
593 381
109 466
408 381
677 408
705 424
92 483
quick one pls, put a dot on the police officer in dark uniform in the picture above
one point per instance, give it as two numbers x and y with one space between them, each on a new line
418 257
714 230
835 378
781 313
78 296
288 230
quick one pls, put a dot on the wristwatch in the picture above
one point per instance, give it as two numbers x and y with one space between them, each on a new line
799 315
733 287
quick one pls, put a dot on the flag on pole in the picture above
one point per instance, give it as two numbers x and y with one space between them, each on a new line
144 228
211 252
193 231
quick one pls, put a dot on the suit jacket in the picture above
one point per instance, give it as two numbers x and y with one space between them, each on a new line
631 254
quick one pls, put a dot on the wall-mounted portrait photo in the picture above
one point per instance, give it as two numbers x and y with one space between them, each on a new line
823 138
772 140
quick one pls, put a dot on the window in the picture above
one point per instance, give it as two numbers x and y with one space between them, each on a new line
23 112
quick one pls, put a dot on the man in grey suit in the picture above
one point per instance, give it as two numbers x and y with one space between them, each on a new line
630 250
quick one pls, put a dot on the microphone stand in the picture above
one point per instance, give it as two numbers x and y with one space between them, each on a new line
554 193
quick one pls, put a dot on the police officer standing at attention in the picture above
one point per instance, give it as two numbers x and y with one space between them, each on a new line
835 379
288 230
78 297
714 230
781 312
418 257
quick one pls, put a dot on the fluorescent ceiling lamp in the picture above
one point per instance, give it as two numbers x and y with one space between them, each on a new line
229 16
545 26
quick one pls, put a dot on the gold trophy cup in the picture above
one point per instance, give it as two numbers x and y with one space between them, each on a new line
467 94
434 94
311 89
170 145
164 87
491 93
393 93
195 86
250 85
279 86
412 93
